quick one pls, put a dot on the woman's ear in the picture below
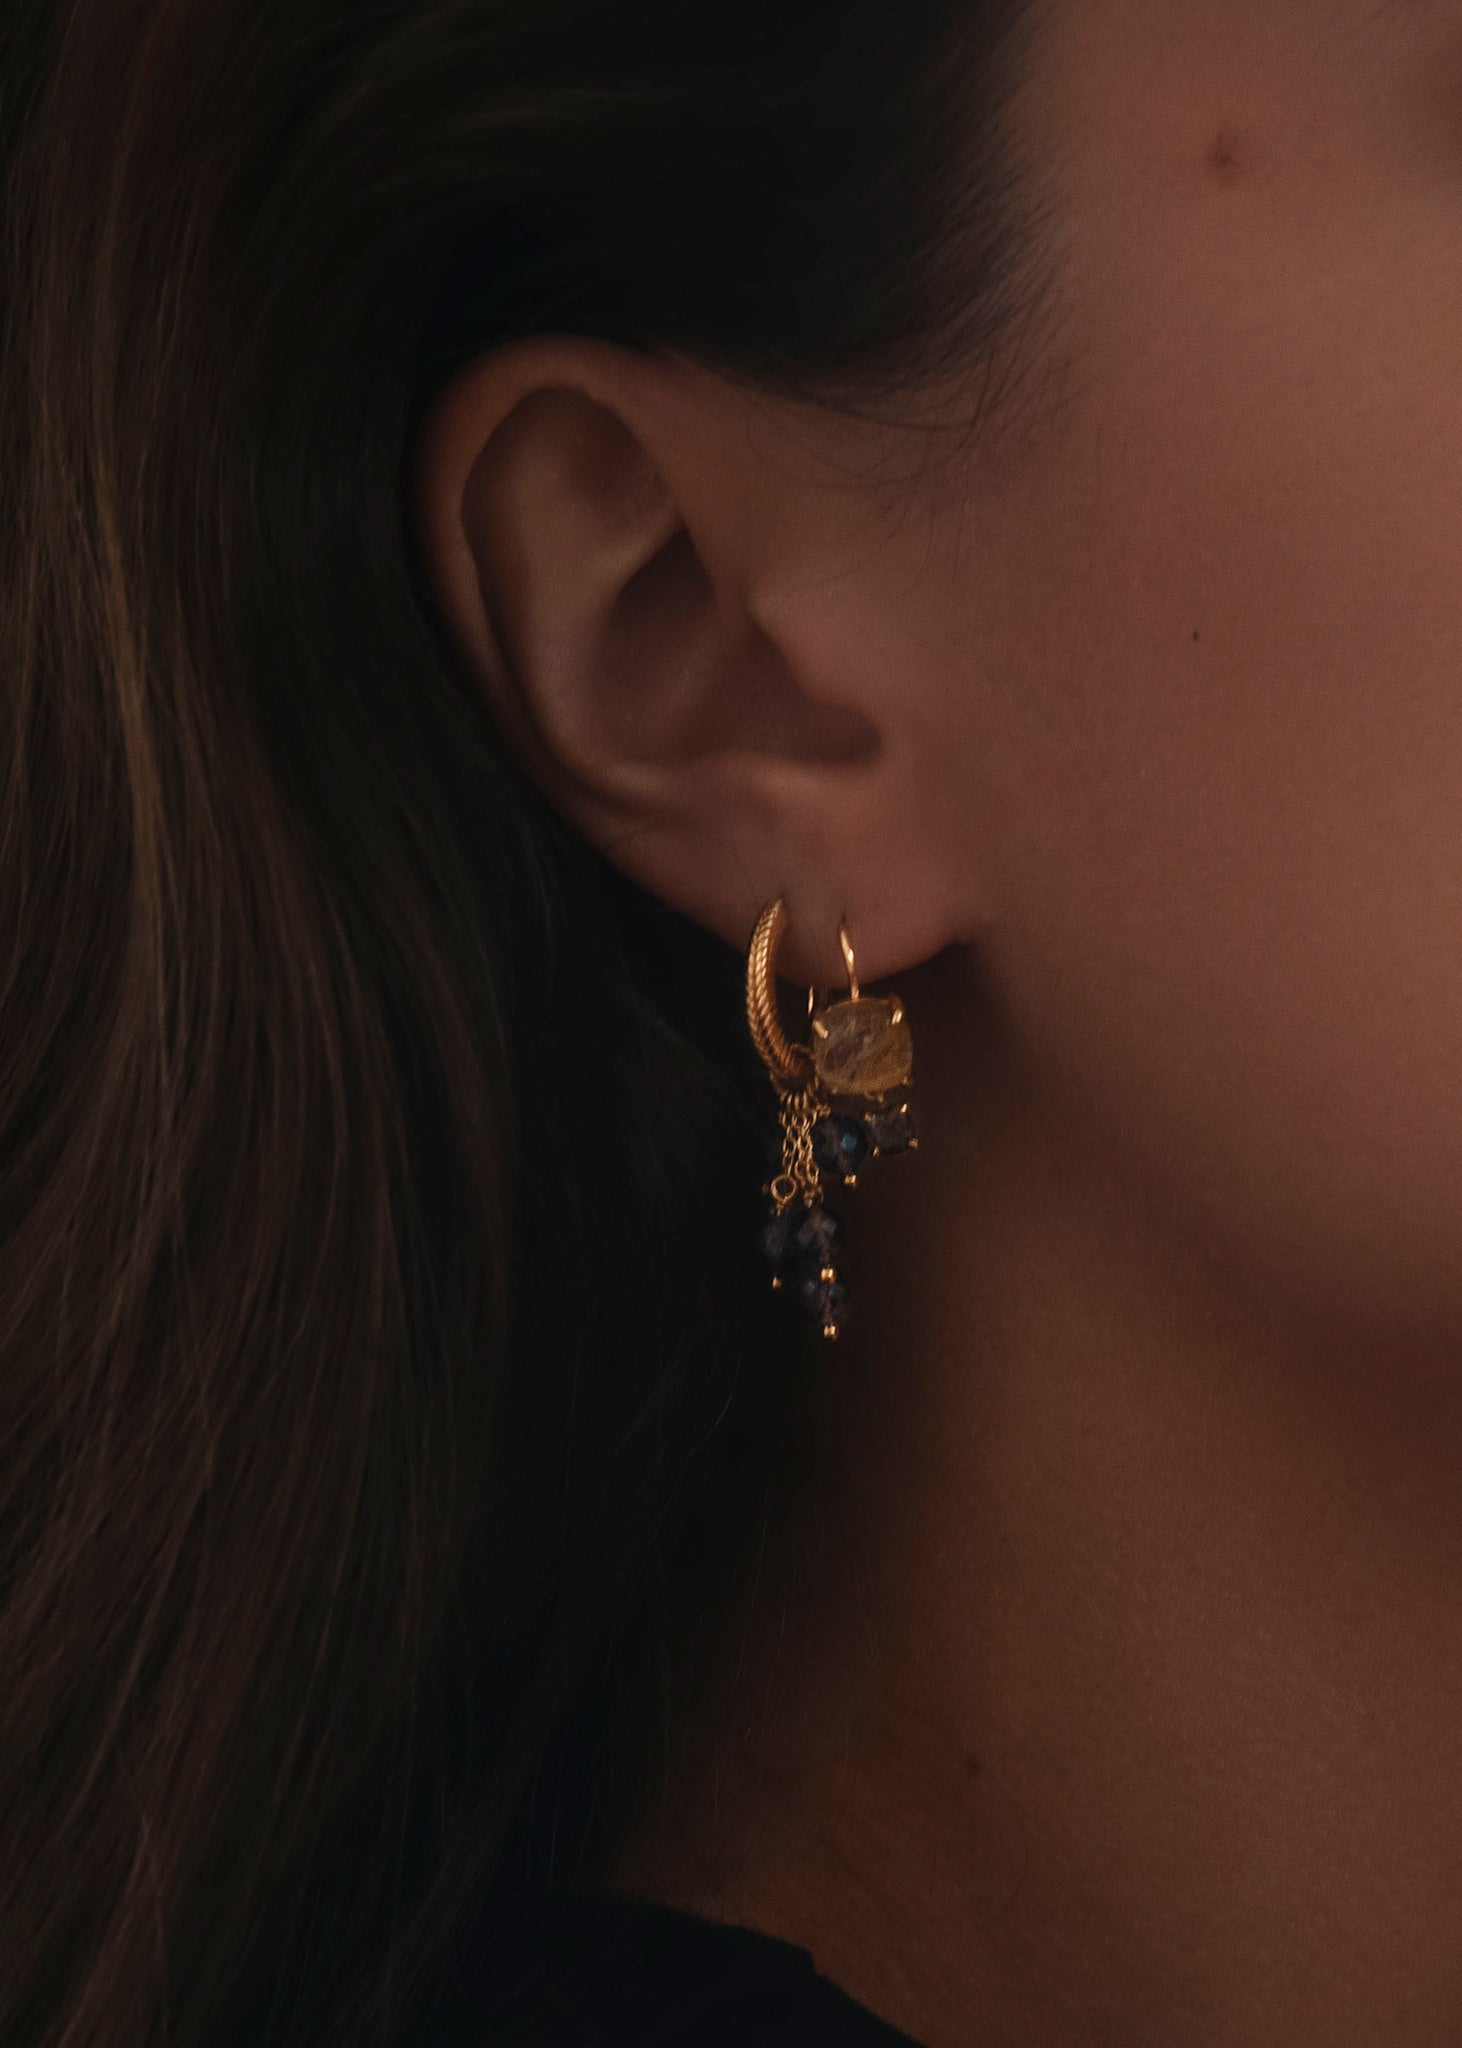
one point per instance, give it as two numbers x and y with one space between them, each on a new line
617 551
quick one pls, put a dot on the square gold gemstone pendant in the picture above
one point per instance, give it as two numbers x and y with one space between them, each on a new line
863 1046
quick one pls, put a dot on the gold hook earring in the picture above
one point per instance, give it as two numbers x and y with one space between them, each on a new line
843 1099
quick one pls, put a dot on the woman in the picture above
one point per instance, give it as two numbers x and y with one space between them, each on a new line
498 498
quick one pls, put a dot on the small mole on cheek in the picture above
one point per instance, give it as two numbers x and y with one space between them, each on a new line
1228 157
1196 634
972 1766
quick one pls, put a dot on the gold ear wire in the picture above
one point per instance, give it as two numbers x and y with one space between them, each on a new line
847 945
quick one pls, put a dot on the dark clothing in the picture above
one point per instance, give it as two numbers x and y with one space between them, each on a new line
622 1974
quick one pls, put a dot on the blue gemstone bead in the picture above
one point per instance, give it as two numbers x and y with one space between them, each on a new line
778 1238
825 1299
840 1144
891 1130
819 1235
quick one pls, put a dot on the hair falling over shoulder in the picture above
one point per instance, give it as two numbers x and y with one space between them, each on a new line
386 1379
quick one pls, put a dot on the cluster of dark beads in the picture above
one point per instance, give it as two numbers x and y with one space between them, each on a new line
803 1243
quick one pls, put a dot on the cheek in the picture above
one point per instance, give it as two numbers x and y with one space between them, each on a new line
1220 735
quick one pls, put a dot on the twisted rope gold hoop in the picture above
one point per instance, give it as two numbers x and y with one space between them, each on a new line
787 1064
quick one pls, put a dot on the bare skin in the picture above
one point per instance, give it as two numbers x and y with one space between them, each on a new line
1109 1686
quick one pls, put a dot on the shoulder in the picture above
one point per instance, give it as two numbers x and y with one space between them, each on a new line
619 1973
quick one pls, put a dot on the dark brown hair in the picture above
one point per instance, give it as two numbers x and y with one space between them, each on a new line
385 1386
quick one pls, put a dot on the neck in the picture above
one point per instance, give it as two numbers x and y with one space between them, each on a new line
1110 1683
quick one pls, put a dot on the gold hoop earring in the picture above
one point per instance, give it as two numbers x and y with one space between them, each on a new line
843 1099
